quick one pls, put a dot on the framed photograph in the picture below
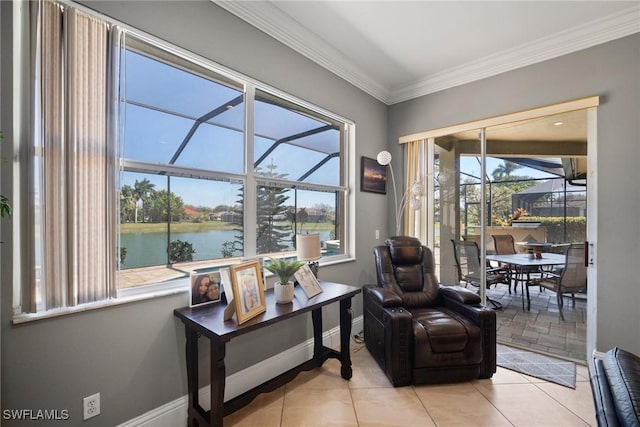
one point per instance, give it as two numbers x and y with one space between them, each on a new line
307 281
248 290
205 288
373 176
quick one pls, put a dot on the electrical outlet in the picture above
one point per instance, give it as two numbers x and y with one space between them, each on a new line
91 406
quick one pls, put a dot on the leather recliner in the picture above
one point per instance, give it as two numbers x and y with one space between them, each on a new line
420 331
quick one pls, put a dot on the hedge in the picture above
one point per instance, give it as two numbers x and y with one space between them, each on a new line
576 228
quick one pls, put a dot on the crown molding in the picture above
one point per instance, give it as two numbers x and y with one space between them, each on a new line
272 21
275 23
587 35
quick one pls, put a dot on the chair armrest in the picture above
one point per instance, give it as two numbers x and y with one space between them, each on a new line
382 296
388 332
456 299
460 294
398 336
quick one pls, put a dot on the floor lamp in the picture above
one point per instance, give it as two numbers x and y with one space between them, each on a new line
410 197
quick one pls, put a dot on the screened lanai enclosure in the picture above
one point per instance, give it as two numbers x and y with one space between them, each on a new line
533 173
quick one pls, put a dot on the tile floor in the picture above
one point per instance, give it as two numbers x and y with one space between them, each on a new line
322 398
541 329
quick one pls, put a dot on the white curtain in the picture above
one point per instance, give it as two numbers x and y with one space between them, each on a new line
415 214
74 159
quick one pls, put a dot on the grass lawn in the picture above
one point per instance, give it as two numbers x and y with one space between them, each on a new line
177 227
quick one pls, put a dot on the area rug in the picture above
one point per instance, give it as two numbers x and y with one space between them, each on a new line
537 365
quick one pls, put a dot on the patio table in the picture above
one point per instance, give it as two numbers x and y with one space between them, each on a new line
522 261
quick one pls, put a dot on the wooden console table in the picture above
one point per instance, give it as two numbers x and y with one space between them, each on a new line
208 321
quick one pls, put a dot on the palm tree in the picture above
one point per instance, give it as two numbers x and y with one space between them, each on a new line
127 203
141 190
504 170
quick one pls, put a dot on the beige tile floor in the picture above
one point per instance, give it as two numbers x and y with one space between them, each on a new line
322 398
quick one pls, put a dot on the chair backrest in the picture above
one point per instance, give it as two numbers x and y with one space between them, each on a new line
504 244
574 275
467 256
406 267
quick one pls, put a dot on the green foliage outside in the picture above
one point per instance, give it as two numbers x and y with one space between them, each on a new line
180 251
576 228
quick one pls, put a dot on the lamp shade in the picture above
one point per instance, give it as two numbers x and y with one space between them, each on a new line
308 247
384 158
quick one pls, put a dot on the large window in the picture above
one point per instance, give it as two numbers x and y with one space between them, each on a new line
200 167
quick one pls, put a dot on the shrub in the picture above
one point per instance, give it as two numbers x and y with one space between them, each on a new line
576 228
180 251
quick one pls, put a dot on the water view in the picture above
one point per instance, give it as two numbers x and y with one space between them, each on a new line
147 249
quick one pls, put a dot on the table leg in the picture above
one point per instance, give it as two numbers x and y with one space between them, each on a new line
521 275
218 374
191 347
316 317
346 318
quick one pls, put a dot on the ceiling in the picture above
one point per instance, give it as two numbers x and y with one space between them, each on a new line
399 50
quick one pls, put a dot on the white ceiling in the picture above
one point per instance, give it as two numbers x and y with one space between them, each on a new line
399 50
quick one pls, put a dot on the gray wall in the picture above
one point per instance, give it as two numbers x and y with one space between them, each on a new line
612 71
133 354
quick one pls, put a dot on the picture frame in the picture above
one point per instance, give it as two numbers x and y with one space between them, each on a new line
373 176
308 281
248 290
205 288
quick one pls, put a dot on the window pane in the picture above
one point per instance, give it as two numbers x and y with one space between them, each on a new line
316 213
180 116
210 218
143 220
294 143
285 212
206 220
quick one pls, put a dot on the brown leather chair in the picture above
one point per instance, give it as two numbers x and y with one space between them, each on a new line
420 331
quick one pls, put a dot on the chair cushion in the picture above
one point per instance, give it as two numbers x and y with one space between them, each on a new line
444 338
404 250
409 277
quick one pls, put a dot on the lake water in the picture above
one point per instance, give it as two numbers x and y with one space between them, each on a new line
146 249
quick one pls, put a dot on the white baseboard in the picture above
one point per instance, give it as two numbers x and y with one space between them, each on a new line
174 413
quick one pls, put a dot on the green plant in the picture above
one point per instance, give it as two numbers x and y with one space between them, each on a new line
180 251
283 269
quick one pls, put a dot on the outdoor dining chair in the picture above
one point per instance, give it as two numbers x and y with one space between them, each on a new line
504 244
572 279
467 256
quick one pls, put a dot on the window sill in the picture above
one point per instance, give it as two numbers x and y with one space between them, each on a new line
175 289
139 293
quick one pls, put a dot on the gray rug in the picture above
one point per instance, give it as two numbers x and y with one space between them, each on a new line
537 365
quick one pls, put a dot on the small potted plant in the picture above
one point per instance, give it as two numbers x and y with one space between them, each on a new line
283 288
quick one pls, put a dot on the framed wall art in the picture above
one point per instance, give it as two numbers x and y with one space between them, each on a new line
248 290
373 176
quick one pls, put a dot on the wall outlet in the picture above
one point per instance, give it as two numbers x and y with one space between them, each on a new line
91 406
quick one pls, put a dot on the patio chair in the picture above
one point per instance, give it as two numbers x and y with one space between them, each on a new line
504 244
572 279
467 256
